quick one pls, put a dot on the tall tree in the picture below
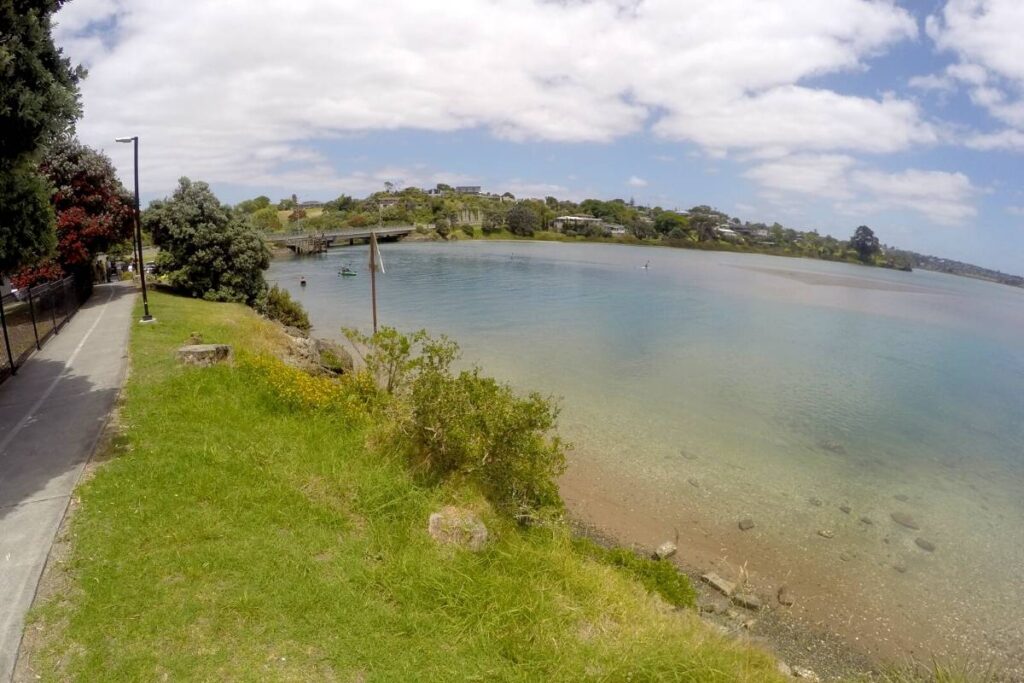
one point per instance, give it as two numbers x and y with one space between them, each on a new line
522 219
865 243
207 249
38 101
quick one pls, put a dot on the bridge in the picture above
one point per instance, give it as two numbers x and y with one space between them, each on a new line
316 242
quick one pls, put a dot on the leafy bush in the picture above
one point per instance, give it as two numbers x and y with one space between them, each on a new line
466 425
468 229
206 249
656 576
277 304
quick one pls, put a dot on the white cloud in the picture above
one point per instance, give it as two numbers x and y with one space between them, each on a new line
982 32
985 36
942 197
636 181
819 175
1015 210
236 92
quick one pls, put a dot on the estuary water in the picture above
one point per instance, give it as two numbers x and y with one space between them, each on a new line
835 406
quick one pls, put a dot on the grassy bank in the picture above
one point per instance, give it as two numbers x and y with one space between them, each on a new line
237 536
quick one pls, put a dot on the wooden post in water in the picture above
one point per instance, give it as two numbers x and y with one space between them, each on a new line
373 276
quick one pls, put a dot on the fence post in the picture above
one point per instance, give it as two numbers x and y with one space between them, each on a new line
32 312
67 307
53 310
7 341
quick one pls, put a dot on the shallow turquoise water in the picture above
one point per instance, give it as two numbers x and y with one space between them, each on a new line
771 380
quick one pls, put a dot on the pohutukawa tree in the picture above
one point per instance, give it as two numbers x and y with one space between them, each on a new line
207 249
93 210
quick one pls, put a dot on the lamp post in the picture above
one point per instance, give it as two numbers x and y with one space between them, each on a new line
138 230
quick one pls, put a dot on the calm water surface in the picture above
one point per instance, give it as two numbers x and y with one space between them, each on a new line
741 385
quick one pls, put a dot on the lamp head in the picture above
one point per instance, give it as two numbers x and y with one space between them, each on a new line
131 139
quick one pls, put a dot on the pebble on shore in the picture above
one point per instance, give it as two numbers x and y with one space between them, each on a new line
746 524
924 544
903 519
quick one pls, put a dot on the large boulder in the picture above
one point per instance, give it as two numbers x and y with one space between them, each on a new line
204 355
333 357
452 526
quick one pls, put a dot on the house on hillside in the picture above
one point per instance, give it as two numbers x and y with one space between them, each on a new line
468 189
313 204
388 202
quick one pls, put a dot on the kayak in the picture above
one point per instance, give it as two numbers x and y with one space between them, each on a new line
345 272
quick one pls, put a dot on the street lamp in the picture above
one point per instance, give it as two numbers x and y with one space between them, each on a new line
138 230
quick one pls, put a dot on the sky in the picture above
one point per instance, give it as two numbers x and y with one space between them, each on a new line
905 116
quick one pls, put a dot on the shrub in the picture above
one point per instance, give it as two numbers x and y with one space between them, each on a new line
468 229
466 425
277 304
656 576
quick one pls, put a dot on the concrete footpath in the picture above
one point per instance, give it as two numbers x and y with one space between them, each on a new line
51 416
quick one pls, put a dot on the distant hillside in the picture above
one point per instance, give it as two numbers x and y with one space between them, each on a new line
944 265
445 210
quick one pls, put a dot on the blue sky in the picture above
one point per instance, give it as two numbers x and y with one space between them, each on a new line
906 116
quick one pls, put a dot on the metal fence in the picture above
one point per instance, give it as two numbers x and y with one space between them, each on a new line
32 316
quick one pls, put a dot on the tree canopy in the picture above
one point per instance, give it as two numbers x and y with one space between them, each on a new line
522 220
93 209
206 249
865 243
38 102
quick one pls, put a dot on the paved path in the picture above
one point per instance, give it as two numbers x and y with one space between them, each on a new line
51 416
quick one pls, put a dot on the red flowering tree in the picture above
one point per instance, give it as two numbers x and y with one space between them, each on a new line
93 209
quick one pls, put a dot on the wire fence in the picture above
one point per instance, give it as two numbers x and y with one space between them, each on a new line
30 317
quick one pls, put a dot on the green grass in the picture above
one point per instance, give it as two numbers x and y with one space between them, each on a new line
233 538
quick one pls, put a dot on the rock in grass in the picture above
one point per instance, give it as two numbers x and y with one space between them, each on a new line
903 519
665 550
204 355
457 527
746 524
747 600
826 533
784 669
845 509
924 544
867 520
785 597
333 358
724 587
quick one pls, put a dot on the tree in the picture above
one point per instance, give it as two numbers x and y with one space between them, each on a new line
207 250
668 222
253 205
865 243
522 220
38 101
266 220
93 209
